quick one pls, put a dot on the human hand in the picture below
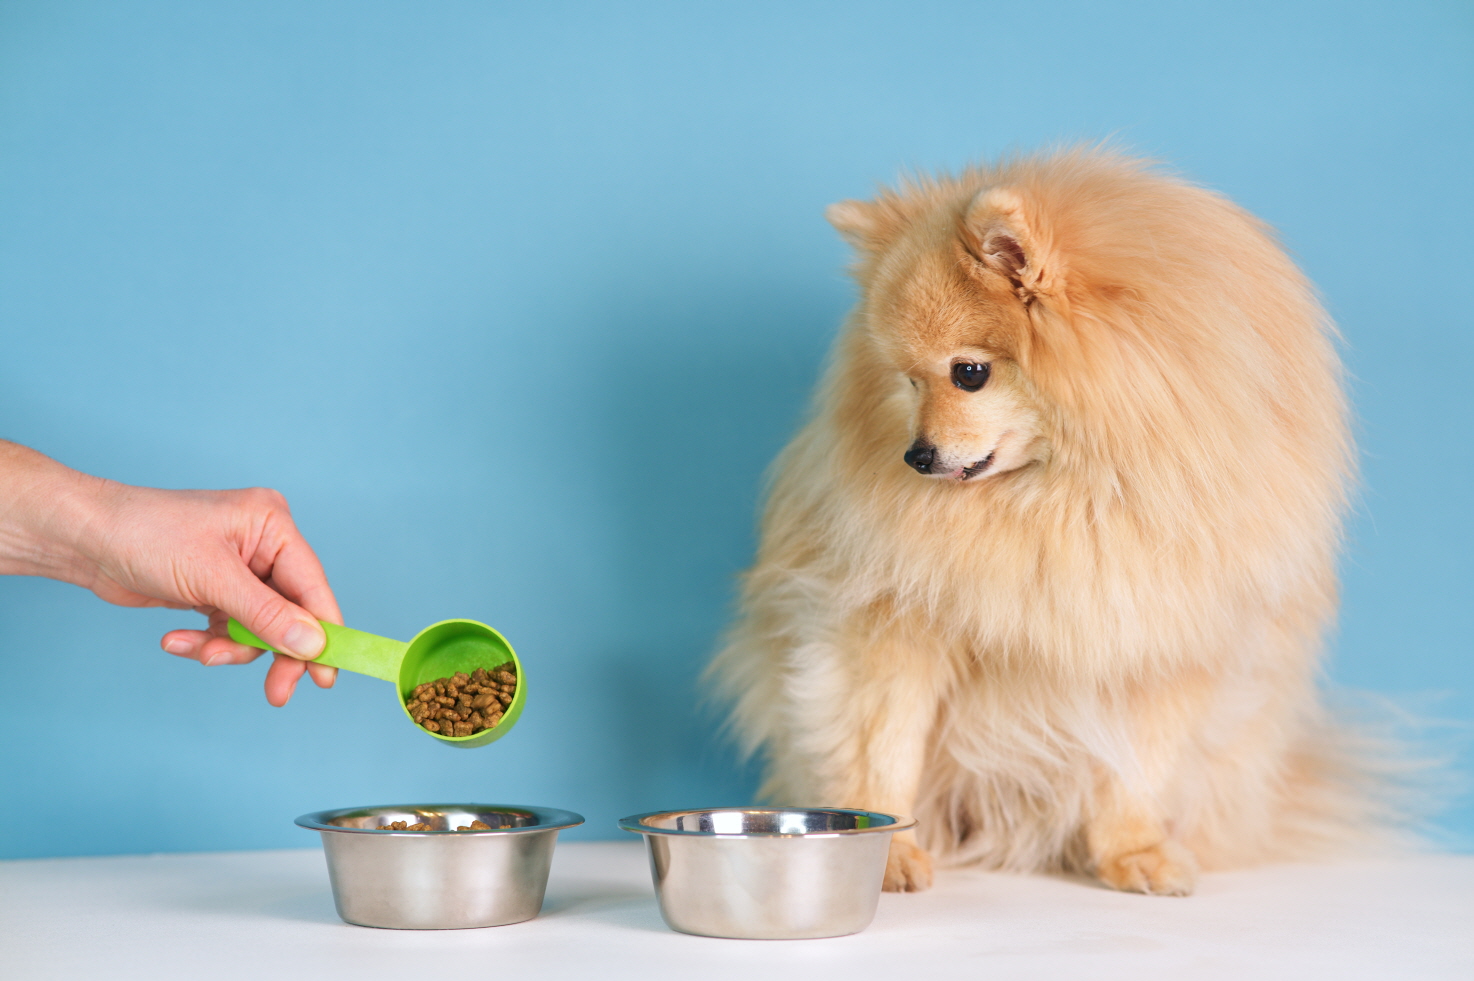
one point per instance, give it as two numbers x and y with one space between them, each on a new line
222 553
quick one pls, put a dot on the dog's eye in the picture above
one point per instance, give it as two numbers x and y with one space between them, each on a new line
970 376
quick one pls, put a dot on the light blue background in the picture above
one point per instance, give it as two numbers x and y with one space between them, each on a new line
515 303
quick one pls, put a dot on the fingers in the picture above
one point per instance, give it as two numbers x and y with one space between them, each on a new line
295 570
282 678
212 648
297 574
184 643
285 672
284 625
322 675
208 649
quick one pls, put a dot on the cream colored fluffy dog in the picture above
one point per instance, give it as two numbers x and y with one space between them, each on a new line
1050 566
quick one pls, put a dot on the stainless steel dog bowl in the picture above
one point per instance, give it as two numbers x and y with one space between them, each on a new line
441 879
767 873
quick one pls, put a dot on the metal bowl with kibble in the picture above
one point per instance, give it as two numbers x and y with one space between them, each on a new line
439 866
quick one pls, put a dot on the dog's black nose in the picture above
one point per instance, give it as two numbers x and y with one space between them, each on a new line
921 455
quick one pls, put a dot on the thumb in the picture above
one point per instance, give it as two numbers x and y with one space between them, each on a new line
282 624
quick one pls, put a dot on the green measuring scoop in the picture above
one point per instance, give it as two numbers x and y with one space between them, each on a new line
438 651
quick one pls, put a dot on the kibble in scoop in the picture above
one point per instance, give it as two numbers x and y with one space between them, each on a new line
462 704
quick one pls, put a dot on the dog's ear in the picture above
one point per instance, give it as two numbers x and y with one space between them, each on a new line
998 233
867 225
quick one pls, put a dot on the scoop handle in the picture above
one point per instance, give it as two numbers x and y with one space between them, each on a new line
351 650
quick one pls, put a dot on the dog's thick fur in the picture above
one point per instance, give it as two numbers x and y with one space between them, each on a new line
1089 639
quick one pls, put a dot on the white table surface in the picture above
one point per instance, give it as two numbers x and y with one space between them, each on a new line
270 915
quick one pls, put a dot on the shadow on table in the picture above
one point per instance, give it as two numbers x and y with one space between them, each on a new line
1076 879
634 909
301 905
314 907
630 908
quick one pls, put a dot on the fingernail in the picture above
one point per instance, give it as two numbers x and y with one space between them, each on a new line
177 647
305 640
213 659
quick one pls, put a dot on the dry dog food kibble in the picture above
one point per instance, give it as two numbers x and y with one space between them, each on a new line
475 826
463 704
402 826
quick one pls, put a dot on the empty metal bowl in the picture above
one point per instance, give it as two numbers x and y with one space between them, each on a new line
767 873
442 879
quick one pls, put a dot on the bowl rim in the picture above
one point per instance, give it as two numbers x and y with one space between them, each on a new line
548 818
892 823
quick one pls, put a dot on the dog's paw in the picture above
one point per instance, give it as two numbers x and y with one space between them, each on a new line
908 868
1167 869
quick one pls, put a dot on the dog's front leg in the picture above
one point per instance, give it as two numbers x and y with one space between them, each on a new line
896 684
897 753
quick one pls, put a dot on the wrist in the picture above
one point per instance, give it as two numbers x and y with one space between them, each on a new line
46 509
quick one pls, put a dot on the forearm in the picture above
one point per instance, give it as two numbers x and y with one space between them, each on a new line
45 510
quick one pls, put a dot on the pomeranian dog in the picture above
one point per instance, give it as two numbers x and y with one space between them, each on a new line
1050 566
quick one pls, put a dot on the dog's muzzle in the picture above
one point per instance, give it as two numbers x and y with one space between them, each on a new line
921 456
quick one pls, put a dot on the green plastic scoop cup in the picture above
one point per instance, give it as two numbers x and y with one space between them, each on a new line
438 651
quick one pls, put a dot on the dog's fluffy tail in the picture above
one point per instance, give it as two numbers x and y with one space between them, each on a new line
1367 777
1360 780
